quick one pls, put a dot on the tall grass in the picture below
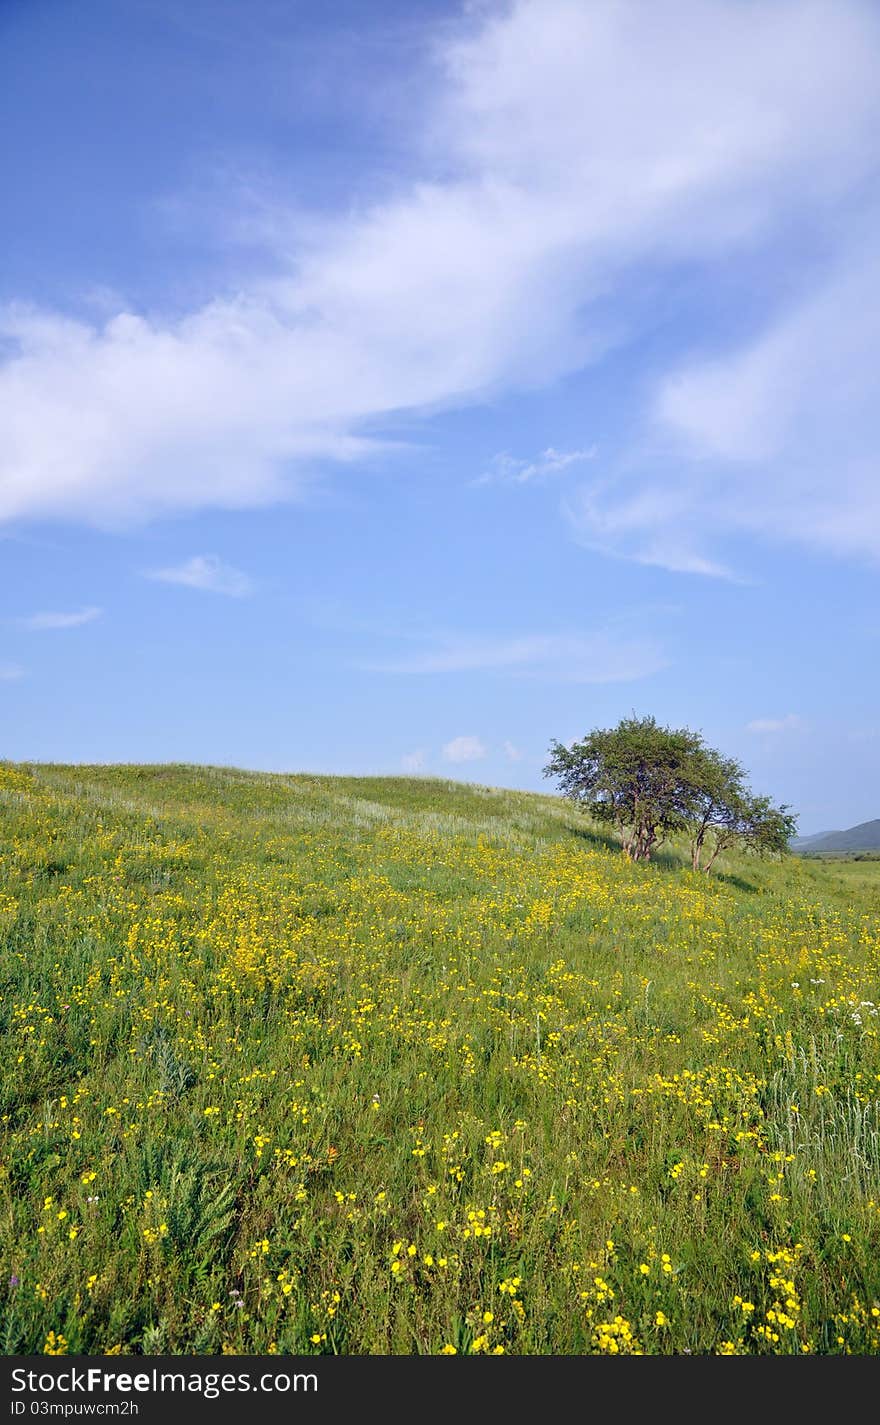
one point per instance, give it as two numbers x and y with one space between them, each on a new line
308 1064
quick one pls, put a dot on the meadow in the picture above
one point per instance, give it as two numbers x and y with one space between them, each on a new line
308 1065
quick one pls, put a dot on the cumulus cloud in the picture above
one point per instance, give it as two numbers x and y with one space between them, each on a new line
600 657
465 749
205 572
576 143
789 723
43 621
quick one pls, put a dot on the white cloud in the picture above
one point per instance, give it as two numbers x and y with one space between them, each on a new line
600 657
575 142
646 520
505 470
512 753
10 672
790 422
413 762
465 749
789 723
39 622
777 439
206 572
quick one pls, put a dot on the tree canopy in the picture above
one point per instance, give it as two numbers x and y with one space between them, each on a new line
650 782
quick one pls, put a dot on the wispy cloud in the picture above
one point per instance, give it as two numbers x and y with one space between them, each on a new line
42 621
775 439
208 573
512 753
555 191
10 672
413 762
601 657
505 470
790 723
465 749
645 521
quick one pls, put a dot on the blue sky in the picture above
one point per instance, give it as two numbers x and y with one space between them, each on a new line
397 388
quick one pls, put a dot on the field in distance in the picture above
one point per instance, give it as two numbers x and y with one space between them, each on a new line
311 1064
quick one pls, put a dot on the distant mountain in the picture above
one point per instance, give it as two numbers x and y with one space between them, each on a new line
798 843
864 837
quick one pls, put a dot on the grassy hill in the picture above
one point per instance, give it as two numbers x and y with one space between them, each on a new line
382 1066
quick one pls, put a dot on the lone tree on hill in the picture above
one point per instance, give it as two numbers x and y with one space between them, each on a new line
637 776
649 782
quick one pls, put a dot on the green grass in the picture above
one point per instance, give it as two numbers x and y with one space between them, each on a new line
388 1065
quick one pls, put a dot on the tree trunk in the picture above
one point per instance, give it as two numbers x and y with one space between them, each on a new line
713 858
697 845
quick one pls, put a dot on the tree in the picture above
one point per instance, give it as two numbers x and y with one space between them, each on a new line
650 782
720 798
767 829
636 776
729 813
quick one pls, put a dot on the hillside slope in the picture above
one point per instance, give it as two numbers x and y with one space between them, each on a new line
386 1066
